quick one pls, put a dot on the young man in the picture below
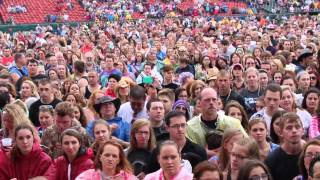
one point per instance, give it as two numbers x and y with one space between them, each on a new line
107 70
225 91
167 97
282 162
155 109
168 77
18 69
46 93
136 107
176 125
64 119
93 84
272 97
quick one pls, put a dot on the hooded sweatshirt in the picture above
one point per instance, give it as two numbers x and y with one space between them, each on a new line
27 166
62 169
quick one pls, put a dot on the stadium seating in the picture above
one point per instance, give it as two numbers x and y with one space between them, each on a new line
37 10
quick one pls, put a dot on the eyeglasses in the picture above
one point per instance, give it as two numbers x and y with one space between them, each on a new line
46 107
311 155
177 126
313 77
142 133
180 108
238 156
262 177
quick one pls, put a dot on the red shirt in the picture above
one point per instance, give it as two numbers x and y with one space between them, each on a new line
6 61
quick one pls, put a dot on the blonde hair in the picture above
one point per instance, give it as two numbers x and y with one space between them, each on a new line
287 88
92 99
18 116
33 87
279 64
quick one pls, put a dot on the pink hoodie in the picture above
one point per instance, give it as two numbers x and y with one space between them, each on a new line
158 175
314 127
93 174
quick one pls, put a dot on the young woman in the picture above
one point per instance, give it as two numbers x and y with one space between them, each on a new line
28 89
237 77
26 159
235 59
89 111
254 170
75 158
245 148
113 81
314 79
275 128
311 101
170 162
75 89
110 163
63 72
249 61
142 141
181 94
234 109
195 89
207 171
12 116
277 77
258 130
287 102
229 137
53 74
310 151
46 118
203 67
79 115
100 132
74 99
122 91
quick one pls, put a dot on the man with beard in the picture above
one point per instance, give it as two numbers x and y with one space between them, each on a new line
285 158
209 120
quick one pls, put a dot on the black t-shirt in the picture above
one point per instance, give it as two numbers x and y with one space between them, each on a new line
235 97
212 124
172 86
34 110
282 165
38 77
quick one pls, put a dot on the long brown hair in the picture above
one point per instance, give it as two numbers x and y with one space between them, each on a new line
302 167
223 155
135 127
123 164
15 153
244 121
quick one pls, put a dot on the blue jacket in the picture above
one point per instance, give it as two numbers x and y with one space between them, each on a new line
122 132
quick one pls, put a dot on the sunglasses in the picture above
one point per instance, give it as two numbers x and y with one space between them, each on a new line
46 107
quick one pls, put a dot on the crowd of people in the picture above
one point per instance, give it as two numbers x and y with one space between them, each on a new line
17 9
191 98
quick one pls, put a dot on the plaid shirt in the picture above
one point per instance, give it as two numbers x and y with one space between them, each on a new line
51 139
